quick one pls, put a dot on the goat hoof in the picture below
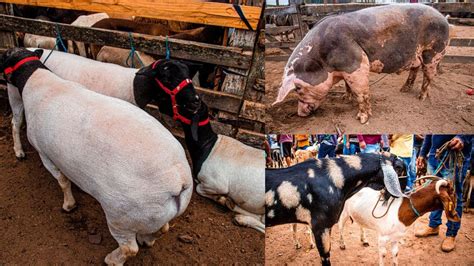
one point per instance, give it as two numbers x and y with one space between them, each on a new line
365 244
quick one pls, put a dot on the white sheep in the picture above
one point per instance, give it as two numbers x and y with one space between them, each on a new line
112 150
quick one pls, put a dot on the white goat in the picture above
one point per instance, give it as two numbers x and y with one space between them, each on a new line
392 226
111 149
85 21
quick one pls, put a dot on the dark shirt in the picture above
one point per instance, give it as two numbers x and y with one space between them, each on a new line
434 142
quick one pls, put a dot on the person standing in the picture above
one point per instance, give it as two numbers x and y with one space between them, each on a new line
427 158
369 143
301 141
327 145
286 143
351 145
402 146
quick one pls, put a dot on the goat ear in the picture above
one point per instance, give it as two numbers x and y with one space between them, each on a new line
193 68
195 127
38 52
448 204
147 71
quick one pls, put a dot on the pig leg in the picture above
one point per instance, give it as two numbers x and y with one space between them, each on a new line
359 83
429 72
69 202
410 80
128 246
17 120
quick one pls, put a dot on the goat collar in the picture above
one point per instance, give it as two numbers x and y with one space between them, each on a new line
10 70
172 93
415 211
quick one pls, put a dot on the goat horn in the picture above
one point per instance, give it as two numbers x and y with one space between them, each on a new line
440 183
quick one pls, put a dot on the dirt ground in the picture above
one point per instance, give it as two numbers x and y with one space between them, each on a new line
279 248
447 110
34 230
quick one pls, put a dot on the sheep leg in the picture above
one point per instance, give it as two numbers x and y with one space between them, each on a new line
311 237
395 252
17 120
249 221
323 243
382 249
69 202
128 247
341 223
363 238
294 229
210 193
146 239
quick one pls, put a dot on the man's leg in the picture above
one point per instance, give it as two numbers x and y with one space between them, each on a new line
332 151
323 151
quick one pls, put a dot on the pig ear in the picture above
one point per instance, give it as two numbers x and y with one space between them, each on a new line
286 87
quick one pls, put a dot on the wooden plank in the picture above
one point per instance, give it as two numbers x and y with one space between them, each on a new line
253 111
311 9
220 100
251 138
462 21
188 50
7 36
453 7
463 42
218 14
280 29
277 58
458 59
279 11
281 44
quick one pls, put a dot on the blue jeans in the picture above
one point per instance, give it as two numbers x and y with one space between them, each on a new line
410 164
325 149
371 148
352 149
435 216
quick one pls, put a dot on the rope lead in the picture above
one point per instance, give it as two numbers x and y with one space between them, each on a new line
131 55
167 48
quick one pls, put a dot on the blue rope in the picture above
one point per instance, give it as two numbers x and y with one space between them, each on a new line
131 55
59 39
167 48
414 209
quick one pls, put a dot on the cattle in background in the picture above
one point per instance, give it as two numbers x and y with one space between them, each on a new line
383 39
314 192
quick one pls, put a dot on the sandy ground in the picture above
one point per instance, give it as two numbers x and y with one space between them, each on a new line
35 231
279 248
447 110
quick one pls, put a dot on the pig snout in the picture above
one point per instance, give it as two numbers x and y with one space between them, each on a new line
305 109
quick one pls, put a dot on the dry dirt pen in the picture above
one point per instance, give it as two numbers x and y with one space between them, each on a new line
34 229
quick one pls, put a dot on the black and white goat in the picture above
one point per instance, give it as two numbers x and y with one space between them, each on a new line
314 192
392 220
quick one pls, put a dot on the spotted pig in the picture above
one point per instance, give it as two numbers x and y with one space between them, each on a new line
383 39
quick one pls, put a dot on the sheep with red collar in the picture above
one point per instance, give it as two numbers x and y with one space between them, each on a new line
392 220
107 147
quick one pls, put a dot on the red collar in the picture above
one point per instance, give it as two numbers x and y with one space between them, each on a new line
172 93
10 70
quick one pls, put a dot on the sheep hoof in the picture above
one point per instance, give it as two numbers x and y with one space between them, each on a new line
343 247
68 209
20 156
365 244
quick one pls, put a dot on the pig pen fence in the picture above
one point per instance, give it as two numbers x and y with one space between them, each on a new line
309 14
236 109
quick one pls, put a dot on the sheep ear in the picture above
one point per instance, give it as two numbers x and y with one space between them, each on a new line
147 71
39 52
